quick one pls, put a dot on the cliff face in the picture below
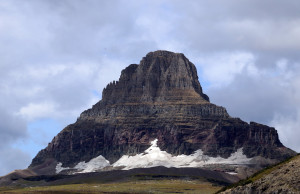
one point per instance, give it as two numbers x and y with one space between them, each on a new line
161 77
161 98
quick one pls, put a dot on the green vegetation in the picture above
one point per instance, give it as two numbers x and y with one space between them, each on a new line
142 186
259 174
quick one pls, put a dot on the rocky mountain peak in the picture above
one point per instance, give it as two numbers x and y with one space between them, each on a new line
161 77
159 99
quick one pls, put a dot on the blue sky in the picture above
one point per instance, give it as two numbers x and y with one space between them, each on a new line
58 55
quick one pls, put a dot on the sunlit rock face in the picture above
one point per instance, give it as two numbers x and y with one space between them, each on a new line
160 98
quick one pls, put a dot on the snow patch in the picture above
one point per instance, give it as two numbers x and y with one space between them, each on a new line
153 156
59 168
93 165
82 167
232 173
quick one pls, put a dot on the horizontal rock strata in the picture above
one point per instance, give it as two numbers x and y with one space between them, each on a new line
161 98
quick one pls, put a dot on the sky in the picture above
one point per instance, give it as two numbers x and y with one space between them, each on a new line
58 55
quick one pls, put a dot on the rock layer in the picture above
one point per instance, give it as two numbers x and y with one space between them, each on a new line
161 98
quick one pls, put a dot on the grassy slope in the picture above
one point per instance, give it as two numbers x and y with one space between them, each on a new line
259 174
138 186
153 180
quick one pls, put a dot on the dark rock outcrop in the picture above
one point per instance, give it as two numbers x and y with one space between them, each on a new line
159 98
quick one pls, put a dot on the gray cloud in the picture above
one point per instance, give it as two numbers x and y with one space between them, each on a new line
12 127
269 97
56 56
14 159
256 98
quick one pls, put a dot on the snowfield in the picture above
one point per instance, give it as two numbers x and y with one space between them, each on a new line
153 156
93 165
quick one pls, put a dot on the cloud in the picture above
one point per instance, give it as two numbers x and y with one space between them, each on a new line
57 56
239 24
12 127
288 129
37 110
220 69
14 159
271 97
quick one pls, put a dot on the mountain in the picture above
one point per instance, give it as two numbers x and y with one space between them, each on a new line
156 114
281 178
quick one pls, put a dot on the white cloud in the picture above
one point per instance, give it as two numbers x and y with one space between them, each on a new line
37 110
220 69
55 54
263 34
46 72
270 97
288 123
109 70
288 129
282 65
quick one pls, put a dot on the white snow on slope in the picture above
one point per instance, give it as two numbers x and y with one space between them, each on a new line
153 156
82 167
93 165
59 168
